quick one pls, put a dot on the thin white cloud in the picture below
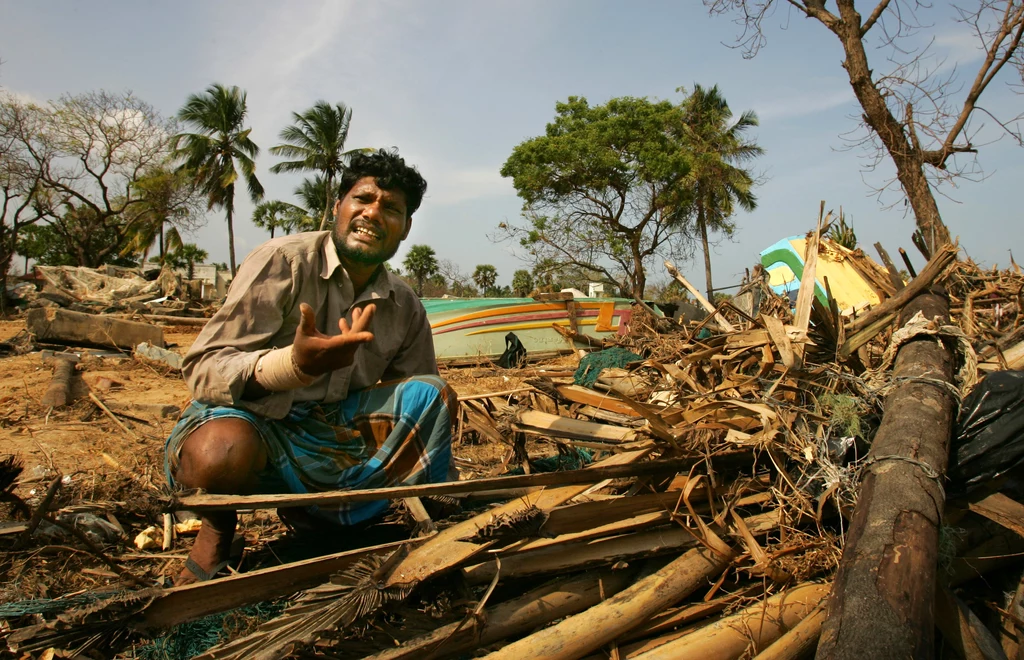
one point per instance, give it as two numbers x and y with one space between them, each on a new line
802 104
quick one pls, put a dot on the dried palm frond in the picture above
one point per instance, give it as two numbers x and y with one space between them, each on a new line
351 595
525 523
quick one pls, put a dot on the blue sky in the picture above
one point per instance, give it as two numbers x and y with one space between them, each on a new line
455 85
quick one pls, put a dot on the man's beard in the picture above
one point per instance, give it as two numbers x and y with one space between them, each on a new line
356 256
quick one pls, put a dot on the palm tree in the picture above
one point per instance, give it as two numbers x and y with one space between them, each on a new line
219 144
167 197
522 283
186 257
276 214
717 147
313 193
421 263
484 276
316 142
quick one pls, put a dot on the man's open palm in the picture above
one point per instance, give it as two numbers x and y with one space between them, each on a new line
316 353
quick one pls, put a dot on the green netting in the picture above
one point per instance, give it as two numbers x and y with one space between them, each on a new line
575 459
193 638
610 358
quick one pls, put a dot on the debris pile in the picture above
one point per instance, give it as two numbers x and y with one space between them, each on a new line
742 485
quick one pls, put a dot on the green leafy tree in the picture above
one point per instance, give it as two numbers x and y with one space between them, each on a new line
522 283
219 148
275 214
48 245
603 189
717 146
421 264
316 142
484 277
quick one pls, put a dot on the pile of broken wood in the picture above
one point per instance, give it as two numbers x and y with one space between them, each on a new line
771 489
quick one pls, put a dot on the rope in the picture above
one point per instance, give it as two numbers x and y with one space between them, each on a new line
928 470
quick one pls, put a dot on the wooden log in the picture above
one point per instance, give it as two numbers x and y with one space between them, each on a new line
533 609
176 320
576 636
799 642
757 626
62 326
59 392
882 603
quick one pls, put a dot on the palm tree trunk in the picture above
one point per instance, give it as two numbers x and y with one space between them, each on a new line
702 225
231 240
271 232
162 255
328 202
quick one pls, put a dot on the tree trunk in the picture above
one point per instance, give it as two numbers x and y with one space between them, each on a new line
702 225
163 256
882 602
906 156
328 199
231 240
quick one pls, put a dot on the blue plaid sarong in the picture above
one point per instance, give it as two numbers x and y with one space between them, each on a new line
393 434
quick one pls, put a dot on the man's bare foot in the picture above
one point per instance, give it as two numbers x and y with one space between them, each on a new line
212 547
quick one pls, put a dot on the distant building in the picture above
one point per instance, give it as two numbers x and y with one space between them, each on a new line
212 283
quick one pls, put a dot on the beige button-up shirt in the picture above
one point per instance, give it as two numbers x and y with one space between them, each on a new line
261 313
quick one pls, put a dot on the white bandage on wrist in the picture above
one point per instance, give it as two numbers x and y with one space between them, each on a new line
277 371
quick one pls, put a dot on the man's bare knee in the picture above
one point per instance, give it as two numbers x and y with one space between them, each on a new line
222 456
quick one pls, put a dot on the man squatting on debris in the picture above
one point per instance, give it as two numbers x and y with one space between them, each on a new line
292 390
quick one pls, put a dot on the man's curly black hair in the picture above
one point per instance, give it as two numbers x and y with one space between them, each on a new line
391 173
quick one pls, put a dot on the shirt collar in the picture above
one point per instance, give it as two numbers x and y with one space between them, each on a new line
380 286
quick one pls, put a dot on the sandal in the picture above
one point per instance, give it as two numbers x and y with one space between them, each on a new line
203 575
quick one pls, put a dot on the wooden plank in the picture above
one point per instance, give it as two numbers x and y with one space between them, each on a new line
194 601
448 550
890 267
790 358
808 281
62 326
674 272
1002 510
598 472
542 423
579 394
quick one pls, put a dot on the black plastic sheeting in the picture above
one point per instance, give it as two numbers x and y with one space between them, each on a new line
989 437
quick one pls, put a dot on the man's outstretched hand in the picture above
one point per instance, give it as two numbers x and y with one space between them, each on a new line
316 353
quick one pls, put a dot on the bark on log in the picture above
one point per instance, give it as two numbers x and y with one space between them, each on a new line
59 392
65 327
882 602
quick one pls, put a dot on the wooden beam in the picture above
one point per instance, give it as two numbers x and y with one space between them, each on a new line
890 267
63 326
542 423
591 475
194 601
674 272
